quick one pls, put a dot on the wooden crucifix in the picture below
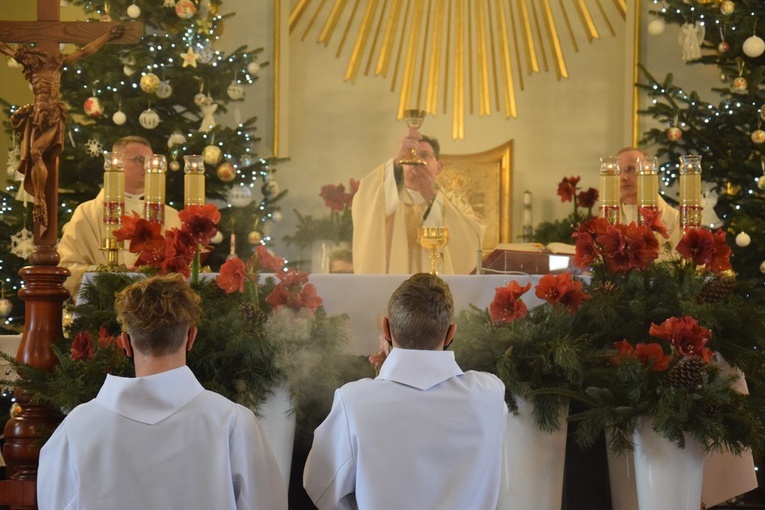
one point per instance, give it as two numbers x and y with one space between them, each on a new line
41 126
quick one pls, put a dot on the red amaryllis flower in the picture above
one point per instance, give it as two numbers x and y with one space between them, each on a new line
176 264
627 247
652 220
652 356
561 289
567 188
232 274
624 348
82 346
685 335
587 198
334 196
294 291
200 221
179 244
587 250
507 305
105 339
353 185
697 245
142 234
263 259
720 254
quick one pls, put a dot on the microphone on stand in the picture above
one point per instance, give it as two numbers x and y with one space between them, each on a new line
479 252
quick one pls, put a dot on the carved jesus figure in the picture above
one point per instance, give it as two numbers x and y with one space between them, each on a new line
41 124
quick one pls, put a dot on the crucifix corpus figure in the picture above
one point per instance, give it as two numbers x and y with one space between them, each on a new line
41 125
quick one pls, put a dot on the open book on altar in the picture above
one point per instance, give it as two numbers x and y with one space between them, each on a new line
530 258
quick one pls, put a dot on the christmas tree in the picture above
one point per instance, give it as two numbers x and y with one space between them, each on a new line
726 129
175 89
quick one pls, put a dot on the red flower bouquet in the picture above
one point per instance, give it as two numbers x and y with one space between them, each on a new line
659 328
336 226
535 351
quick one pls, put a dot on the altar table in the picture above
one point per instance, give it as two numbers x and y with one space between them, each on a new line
365 297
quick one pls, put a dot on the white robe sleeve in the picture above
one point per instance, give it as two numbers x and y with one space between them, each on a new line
330 470
258 483
57 478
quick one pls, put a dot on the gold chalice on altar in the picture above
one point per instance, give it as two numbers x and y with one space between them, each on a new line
435 240
414 120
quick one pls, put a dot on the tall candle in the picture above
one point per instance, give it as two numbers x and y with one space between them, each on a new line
690 191
194 180
609 189
647 184
114 197
154 188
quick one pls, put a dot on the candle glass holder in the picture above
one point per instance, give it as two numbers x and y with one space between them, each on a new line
609 189
647 185
155 167
434 239
114 205
194 180
690 192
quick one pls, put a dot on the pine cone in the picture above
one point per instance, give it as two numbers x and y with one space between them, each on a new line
687 373
251 313
716 290
711 409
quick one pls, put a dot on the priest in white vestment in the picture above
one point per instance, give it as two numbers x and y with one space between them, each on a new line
82 240
422 435
394 201
159 440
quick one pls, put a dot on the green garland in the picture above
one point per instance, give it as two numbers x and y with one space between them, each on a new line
243 350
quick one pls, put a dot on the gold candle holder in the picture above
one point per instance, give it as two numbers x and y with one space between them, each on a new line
609 189
194 180
690 192
154 189
433 239
647 185
114 205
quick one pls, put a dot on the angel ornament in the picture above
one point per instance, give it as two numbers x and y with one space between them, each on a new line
208 108
690 38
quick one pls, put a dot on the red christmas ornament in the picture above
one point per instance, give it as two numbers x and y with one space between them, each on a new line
93 107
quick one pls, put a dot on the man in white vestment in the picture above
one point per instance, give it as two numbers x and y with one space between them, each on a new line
395 200
423 434
629 202
159 440
82 240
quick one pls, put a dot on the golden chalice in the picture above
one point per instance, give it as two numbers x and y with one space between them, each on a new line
433 239
414 120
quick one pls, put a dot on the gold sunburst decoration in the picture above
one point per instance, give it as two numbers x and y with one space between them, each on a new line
470 50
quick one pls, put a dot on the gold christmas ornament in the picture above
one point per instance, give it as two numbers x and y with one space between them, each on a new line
212 155
226 172
149 83
254 237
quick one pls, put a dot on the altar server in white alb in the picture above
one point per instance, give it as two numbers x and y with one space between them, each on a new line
159 440
394 201
423 434
82 240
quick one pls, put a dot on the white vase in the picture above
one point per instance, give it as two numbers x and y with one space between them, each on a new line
621 477
532 463
278 423
667 477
